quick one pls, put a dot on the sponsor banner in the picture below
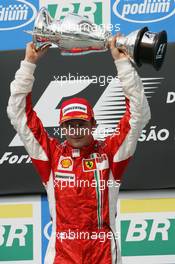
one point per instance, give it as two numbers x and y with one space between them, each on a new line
170 98
147 228
20 225
98 11
145 222
15 17
157 15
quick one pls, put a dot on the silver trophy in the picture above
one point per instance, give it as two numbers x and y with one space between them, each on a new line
76 35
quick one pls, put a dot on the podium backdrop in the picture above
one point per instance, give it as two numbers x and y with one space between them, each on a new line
152 166
153 163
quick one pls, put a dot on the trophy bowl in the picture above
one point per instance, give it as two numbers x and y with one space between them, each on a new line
76 35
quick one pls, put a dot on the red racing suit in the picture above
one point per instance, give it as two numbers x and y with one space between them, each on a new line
82 210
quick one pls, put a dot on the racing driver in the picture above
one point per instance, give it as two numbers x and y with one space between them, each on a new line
81 214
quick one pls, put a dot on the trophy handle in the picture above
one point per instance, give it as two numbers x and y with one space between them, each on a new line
41 42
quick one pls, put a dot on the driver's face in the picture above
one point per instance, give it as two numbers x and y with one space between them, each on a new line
78 132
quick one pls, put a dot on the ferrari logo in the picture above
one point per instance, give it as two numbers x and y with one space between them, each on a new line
89 164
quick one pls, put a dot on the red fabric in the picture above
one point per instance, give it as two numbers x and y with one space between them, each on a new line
84 110
114 142
48 144
76 207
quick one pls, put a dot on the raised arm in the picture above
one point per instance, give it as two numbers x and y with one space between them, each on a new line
23 117
122 145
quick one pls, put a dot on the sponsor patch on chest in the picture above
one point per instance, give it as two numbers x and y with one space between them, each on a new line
64 176
89 165
65 164
98 162
102 162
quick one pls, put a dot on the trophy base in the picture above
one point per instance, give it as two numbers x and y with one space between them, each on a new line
150 48
160 49
136 54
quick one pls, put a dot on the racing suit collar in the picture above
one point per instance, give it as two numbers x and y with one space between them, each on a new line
84 151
